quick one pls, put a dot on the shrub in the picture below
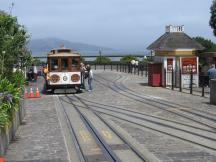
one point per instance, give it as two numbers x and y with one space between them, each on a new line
128 58
102 60
9 100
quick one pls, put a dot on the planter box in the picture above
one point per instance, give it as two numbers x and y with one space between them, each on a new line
8 133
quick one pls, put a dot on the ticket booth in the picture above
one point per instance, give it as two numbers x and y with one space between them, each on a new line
178 54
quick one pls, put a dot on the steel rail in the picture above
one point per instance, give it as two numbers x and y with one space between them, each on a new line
110 155
153 105
123 139
72 132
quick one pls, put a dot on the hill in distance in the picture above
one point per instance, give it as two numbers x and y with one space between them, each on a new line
40 47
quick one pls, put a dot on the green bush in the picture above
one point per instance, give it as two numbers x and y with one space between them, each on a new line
128 58
9 100
102 60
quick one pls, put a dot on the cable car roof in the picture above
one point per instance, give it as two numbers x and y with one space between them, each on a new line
63 52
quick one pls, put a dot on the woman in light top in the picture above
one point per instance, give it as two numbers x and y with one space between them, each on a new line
90 77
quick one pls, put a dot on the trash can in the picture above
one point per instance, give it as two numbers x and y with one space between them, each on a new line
155 74
213 91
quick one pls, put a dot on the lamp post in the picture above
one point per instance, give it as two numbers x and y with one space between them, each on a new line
3 53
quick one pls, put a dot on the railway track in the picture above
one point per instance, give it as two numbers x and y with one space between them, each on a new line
197 136
158 103
104 139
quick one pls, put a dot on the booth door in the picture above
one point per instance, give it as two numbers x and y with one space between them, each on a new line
169 71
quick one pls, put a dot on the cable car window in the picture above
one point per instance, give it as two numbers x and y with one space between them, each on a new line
54 64
75 62
64 64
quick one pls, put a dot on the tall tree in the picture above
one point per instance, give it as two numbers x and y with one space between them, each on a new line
13 38
207 43
212 21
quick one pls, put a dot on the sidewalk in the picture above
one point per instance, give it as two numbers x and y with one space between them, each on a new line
40 137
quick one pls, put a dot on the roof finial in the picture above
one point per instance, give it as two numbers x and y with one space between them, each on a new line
174 29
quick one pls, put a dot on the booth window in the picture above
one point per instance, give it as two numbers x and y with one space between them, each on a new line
64 64
54 64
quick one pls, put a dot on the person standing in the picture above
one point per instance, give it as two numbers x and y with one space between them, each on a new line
212 72
90 77
83 75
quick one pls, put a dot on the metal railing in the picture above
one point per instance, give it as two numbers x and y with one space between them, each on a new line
140 70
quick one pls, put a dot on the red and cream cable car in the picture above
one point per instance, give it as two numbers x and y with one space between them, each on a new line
63 70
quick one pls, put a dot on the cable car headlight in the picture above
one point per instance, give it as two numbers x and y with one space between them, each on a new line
75 78
65 78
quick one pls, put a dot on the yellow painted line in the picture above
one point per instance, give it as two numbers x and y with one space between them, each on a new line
85 135
107 134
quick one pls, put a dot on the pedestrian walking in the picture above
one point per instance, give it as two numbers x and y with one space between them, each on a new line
90 77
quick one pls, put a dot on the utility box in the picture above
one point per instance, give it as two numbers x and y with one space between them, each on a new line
155 74
213 91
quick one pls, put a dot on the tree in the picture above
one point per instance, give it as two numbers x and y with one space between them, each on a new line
128 58
207 43
102 60
212 21
13 38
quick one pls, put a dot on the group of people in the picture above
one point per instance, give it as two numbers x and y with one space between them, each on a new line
86 73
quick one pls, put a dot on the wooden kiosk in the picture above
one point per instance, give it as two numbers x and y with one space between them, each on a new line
177 53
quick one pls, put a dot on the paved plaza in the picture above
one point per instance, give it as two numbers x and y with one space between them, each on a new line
159 124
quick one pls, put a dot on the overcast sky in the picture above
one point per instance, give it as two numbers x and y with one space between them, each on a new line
120 24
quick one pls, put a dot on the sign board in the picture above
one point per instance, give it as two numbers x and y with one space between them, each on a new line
188 65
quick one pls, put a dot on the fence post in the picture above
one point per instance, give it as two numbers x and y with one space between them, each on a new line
134 69
165 74
95 66
142 69
180 81
191 82
146 69
117 67
120 67
172 79
111 66
104 67
138 68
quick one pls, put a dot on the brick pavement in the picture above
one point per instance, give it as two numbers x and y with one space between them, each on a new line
40 138
35 139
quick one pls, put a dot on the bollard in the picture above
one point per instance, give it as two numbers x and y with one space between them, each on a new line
104 66
95 66
117 67
203 90
213 91
111 66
